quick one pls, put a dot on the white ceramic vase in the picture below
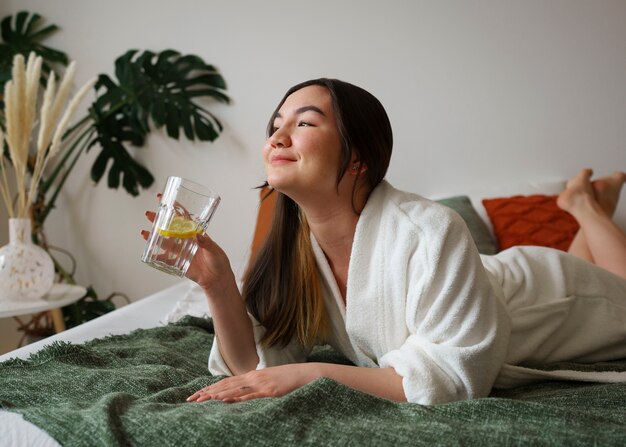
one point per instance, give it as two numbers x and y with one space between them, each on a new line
26 270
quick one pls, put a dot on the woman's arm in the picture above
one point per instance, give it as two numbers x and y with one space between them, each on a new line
279 380
211 270
381 382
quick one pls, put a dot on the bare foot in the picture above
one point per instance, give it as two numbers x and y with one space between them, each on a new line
607 190
578 193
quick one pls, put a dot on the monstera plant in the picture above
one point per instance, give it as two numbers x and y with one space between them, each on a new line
149 90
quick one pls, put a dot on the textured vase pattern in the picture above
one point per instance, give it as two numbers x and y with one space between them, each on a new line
26 270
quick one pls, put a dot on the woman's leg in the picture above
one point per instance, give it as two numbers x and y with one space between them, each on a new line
599 239
606 191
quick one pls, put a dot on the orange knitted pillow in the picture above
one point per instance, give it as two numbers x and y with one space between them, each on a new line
530 220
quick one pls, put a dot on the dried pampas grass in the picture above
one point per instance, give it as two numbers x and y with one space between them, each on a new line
21 97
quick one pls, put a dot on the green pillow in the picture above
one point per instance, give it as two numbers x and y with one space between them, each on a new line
482 237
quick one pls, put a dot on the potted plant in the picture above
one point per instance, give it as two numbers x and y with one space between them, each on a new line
149 90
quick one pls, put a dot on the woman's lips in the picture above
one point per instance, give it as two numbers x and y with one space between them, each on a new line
279 159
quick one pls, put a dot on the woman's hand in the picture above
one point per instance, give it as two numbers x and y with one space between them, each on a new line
279 380
210 267
275 381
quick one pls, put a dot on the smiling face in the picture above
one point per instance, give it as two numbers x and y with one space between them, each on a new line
303 152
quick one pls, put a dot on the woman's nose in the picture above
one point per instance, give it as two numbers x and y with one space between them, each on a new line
280 138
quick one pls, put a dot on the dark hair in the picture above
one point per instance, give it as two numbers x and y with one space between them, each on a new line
281 287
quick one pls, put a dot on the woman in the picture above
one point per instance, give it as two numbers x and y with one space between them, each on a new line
392 280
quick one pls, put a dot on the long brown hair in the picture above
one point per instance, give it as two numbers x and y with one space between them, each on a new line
281 287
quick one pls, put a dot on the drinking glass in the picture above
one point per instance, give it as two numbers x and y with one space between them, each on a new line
184 211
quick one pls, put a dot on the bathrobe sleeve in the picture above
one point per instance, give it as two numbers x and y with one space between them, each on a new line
268 356
457 329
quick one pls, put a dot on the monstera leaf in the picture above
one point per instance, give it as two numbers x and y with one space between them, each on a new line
22 34
151 90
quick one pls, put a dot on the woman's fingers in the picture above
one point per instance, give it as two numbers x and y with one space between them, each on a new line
229 392
224 388
194 396
151 215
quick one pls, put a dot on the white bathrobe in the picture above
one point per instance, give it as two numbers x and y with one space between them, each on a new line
421 300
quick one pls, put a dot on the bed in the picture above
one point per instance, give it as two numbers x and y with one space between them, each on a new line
150 312
122 379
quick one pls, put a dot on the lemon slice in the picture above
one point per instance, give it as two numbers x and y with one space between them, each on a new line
180 228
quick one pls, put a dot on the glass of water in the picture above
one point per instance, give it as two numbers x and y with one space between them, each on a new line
184 212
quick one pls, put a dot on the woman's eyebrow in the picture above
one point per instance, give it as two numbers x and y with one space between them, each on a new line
302 110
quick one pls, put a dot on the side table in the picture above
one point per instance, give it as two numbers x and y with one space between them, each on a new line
59 295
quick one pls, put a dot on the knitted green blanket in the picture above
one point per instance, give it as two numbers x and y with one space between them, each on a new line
131 390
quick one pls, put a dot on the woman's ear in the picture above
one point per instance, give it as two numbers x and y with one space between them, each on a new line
357 167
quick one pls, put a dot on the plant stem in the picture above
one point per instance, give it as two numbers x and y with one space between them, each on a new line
41 217
46 184
76 126
67 277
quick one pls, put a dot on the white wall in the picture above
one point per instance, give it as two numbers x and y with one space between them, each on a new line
480 93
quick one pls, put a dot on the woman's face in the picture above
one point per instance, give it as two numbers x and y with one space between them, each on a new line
304 151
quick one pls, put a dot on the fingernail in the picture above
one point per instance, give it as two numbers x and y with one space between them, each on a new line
147 212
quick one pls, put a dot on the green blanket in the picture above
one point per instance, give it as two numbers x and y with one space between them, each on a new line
131 390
